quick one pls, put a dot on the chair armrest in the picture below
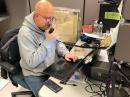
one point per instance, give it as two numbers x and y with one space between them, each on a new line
9 67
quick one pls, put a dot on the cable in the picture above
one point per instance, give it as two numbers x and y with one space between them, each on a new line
67 83
85 45
94 92
99 92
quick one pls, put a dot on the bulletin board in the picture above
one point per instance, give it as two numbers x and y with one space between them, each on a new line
66 22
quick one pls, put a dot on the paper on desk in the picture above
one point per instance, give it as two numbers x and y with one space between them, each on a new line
80 52
103 56
3 83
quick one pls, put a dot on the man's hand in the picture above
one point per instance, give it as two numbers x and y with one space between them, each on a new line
70 56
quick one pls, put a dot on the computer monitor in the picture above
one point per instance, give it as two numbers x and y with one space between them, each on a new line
107 23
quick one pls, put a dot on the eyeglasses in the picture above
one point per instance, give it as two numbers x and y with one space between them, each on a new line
49 18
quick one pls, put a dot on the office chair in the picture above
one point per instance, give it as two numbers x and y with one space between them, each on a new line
9 55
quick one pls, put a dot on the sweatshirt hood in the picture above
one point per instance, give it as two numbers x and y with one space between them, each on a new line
29 22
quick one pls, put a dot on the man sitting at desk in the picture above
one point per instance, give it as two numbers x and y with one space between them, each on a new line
39 48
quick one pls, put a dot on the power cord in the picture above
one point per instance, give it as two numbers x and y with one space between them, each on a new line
67 83
92 85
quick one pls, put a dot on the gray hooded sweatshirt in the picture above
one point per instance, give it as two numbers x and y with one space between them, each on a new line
37 53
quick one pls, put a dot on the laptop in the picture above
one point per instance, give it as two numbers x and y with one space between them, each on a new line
63 69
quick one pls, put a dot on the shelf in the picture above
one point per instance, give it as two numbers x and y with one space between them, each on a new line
2 18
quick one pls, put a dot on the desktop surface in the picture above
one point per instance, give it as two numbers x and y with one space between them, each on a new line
67 91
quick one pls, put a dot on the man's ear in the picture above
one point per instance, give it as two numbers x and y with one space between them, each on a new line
36 15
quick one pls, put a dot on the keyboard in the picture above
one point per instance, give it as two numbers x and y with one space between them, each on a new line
63 69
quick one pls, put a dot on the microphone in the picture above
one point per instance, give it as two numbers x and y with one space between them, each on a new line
51 30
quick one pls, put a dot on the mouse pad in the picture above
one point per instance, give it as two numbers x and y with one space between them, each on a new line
62 69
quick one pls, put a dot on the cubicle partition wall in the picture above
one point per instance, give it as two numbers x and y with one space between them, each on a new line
126 10
74 4
18 9
122 52
84 6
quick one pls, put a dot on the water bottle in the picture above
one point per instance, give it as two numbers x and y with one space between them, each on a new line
95 27
100 27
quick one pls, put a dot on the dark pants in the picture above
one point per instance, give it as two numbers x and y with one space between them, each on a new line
35 83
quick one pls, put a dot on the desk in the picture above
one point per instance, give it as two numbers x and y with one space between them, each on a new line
67 91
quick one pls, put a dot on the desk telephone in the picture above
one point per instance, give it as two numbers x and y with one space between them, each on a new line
53 86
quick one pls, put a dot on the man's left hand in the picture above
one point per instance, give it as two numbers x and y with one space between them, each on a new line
70 56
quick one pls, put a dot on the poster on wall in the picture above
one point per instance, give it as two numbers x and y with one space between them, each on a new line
66 22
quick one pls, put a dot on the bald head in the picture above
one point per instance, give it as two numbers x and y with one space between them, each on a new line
44 8
44 12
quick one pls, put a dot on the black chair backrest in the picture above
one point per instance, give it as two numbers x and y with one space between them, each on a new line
9 49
